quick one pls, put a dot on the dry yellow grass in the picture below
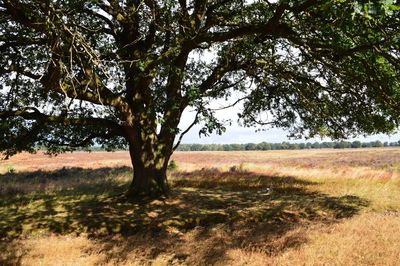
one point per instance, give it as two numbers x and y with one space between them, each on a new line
322 207
368 239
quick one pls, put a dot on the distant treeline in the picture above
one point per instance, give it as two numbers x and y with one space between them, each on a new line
264 146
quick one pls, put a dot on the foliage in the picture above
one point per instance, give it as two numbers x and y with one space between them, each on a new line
172 165
10 169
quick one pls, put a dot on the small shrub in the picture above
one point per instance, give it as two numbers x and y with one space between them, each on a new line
10 169
172 166
233 168
237 169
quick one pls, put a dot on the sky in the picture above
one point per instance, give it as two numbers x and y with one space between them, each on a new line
238 134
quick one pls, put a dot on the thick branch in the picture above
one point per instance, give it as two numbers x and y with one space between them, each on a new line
20 71
18 11
85 142
90 89
224 66
112 27
31 113
304 6
272 27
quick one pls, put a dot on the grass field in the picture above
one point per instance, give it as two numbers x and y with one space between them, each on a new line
309 207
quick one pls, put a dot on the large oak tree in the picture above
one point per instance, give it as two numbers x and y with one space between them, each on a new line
121 72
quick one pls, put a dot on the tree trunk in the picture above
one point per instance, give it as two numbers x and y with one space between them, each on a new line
148 182
149 174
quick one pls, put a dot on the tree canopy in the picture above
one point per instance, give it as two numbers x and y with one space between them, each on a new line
122 72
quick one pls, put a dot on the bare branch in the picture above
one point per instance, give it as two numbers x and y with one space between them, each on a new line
230 105
196 119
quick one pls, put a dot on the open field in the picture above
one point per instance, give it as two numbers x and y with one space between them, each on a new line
307 207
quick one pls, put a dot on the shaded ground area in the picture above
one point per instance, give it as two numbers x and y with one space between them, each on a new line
251 208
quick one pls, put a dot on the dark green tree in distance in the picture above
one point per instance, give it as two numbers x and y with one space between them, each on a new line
120 73
356 144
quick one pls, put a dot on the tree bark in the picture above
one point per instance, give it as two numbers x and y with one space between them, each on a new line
149 173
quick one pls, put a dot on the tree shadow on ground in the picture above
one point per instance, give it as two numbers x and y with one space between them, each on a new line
249 208
75 179
11 253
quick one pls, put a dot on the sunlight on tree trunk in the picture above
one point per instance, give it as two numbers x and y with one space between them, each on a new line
149 174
